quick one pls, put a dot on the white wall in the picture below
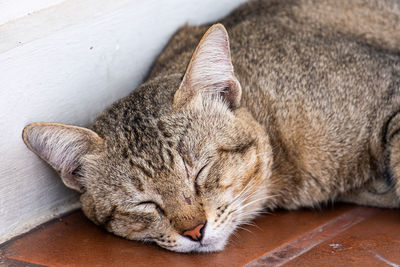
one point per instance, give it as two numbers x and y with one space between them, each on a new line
65 63
14 9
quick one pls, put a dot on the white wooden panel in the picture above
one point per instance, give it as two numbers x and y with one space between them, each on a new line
70 12
70 74
13 9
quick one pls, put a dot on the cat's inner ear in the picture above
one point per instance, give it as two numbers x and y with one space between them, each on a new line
210 71
63 146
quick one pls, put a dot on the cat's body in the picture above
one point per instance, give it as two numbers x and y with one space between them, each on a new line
311 114
322 90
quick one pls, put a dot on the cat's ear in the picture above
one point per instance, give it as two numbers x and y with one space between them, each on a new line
62 146
210 71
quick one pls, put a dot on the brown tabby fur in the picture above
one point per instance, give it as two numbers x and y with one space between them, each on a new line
317 119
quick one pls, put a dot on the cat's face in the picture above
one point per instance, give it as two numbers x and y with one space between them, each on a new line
184 178
203 166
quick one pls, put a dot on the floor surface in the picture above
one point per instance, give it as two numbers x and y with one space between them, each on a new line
343 235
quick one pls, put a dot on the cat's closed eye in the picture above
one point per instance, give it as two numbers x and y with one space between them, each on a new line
197 180
146 205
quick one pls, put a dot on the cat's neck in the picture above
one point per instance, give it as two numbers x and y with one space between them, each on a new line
285 179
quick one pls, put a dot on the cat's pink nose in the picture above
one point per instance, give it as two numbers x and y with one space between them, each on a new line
196 233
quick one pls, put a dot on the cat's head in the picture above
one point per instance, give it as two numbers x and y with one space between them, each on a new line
178 162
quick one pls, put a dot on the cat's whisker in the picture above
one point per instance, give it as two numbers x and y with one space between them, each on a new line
253 224
253 201
250 223
243 192
232 241
248 214
252 213
236 234
263 213
238 202
238 209
244 229
246 217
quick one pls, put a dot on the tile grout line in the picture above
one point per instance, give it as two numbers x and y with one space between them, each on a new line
300 245
379 257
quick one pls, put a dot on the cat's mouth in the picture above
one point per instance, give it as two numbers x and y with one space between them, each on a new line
207 245
201 248
204 248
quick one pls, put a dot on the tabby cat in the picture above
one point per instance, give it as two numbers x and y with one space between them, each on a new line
300 105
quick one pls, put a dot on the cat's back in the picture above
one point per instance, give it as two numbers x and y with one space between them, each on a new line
322 77
257 23
307 37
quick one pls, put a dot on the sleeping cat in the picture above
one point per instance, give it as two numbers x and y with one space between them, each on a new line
300 105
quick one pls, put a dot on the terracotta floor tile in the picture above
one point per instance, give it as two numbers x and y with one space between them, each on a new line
75 241
6 262
373 242
303 243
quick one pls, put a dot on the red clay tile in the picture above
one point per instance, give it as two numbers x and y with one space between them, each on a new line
374 242
308 240
15 263
74 241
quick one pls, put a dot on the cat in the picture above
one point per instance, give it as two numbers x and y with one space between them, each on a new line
296 104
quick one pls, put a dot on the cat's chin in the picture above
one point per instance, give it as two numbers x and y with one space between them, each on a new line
185 245
198 248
